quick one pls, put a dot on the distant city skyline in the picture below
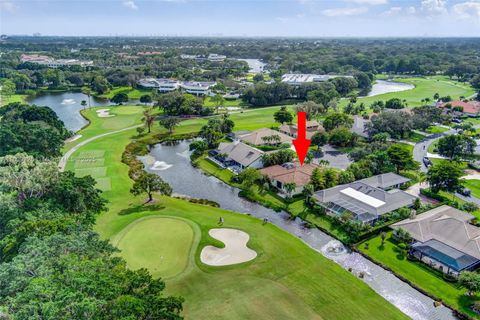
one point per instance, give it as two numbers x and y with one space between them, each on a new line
243 18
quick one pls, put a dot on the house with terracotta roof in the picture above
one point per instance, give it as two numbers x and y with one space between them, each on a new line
445 239
291 172
264 136
459 107
292 129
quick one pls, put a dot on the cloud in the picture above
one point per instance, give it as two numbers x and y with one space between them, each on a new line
130 4
469 9
338 12
434 7
369 2
7 6
395 11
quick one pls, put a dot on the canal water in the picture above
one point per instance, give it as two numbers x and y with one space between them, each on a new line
172 163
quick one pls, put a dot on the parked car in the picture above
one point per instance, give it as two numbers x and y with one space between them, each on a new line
465 192
427 162
456 120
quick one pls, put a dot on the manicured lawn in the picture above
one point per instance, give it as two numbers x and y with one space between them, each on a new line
415 137
417 273
228 103
287 280
160 244
436 129
132 93
424 88
474 186
124 116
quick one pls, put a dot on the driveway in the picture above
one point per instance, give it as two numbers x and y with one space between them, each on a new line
337 159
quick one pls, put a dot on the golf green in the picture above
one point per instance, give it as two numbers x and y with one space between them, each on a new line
162 245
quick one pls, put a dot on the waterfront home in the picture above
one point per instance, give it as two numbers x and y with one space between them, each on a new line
290 172
265 136
237 156
366 199
445 239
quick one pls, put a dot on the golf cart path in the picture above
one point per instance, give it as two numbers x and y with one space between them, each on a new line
63 161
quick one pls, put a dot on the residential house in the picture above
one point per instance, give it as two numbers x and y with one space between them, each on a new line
280 175
237 156
264 136
292 129
366 199
461 108
445 239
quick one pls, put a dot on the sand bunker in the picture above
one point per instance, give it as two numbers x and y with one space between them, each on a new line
104 113
235 251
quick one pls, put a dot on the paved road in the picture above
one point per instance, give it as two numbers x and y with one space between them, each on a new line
63 161
420 149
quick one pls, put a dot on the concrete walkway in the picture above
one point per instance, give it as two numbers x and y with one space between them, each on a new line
63 161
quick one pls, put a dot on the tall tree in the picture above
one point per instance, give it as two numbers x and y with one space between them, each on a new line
169 123
445 176
401 157
283 115
150 183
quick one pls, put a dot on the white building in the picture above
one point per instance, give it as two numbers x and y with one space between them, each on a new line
53 63
197 88
295 79
210 57
162 85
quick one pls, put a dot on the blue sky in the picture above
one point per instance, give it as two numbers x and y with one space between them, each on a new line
307 18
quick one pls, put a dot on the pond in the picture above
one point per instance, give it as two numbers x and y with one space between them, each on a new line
67 106
255 65
383 86
172 163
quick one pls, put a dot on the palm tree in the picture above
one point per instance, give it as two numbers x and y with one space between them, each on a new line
148 118
88 92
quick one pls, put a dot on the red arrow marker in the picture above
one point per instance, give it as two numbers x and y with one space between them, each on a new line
301 143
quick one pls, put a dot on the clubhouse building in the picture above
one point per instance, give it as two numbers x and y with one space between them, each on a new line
445 239
198 88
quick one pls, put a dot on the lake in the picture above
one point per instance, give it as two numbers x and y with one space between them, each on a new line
67 106
383 86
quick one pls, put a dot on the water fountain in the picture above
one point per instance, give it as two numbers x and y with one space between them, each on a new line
334 248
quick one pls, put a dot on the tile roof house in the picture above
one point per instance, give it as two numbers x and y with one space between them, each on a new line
292 129
239 155
470 108
444 239
366 199
260 137
280 175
